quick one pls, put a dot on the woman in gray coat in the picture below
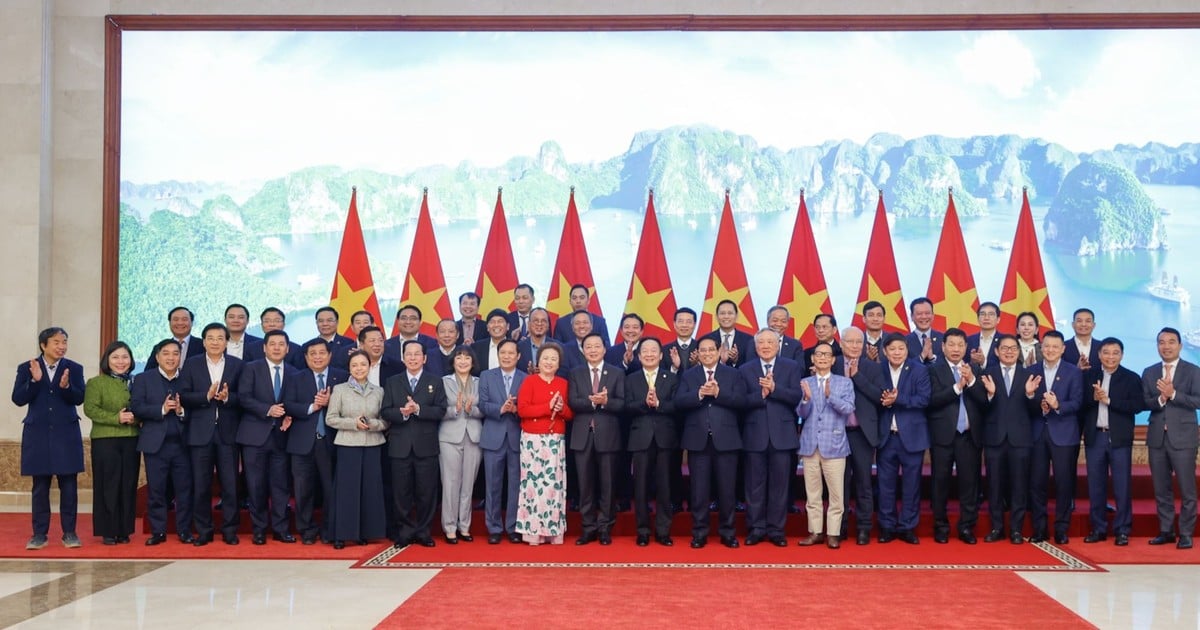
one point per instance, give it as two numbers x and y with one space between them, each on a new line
358 509
458 442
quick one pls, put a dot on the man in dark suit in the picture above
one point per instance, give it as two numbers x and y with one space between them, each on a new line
1006 438
653 438
518 320
155 401
1082 349
862 428
1112 397
956 404
500 440
340 346
778 319
262 434
735 346
680 354
469 326
625 354
383 367
710 396
1172 391
1057 386
180 319
414 402
979 345
440 359
924 343
237 317
527 348
903 439
485 349
769 437
825 328
408 328
874 316
581 324
310 441
596 393
270 319
209 385
580 298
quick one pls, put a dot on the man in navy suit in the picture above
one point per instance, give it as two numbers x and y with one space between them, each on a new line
778 320
408 328
625 354
439 359
825 328
1006 438
518 320
469 326
501 442
862 427
1171 388
155 401
924 343
1112 397
710 396
527 348
270 319
237 317
580 298
180 319
979 345
956 404
262 434
1082 349
485 349
310 441
680 354
209 385
596 393
653 439
1057 387
769 437
414 402
903 439
581 325
340 346
735 347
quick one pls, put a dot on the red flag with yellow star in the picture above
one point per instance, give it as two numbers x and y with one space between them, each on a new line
880 281
498 269
952 285
803 291
1025 283
353 288
727 279
650 294
424 283
570 267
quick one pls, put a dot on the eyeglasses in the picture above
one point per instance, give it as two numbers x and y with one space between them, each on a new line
1009 348
409 318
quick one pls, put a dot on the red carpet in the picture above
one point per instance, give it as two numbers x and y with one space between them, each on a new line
732 598
1137 552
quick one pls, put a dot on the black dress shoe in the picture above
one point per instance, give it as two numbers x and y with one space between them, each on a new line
941 538
309 540
909 536
664 541
337 544
122 540
1060 539
739 507
400 544
1038 537
259 539
967 537
283 538
778 541
1163 538
729 541
886 537
864 538
1016 539
698 543
996 535
585 539
110 540
1185 542
187 539
643 540
515 538
1095 537
201 541
230 539
1122 540
425 541
362 542
793 508
466 537
449 540
156 539
753 539
605 539
494 539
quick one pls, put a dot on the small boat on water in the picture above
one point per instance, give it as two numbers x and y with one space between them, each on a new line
999 245
1167 288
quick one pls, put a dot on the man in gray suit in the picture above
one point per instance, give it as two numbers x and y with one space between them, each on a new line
501 442
1172 391
596 393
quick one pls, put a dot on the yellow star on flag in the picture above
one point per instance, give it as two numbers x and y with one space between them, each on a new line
956 306
560 305
804 305
890 302
426 301
720 293
1027 300
647 305
347 301
490 298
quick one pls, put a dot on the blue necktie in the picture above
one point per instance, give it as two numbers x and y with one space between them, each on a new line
962 410
321 414
508 384
278 382
412 384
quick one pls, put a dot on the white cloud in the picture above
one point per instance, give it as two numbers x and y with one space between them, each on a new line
1000 61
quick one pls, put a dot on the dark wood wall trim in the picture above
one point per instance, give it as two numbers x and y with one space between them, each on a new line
110 234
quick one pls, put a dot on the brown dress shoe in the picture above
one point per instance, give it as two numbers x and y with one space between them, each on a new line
832 542
813 539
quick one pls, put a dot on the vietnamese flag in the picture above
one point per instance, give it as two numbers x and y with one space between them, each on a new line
880 281
952 285
497 270
1025 283
424 283
727 279
803 291
650 294
570 267
353 288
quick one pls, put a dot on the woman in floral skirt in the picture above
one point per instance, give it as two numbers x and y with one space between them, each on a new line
542 408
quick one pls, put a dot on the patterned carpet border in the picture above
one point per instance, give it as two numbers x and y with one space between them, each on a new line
383 560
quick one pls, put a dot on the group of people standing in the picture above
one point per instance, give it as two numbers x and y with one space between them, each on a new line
374 429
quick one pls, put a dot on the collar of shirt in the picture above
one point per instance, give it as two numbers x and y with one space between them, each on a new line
651 375
220 361
318 375
168 378
1174 364
271 366
596 366
896 373
417 376
683 343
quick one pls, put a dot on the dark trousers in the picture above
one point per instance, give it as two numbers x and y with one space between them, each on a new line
356 506
899 470
415 483
596 476
962 458
1007 478
223 457
170 460
313 473
115 466
702 464
858 469
767 501
502 477
68 503
677 495
1103 457
652 466
267 475
1064 460
1166 460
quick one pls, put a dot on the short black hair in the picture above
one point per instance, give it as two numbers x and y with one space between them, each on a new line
406 344
272 309
683 310
312 343
921 300
1083 310
469 294
832 319
893 337
954 332
506 341
362 334
409 307
236 305
1168 329
994 306
46 334
369 314
497 312
1112 341
1055 334
641 322
578 285
215 326
649 339
167 342
277 333
523 286
873 304
191 315
724 302
324 309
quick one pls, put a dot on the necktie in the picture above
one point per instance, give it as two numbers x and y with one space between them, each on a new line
726 342
508 384
710 375
524 325
1102 412
1167 372
767 370
412 383
650 379
278 382
962 408
821 384
923 337
1008 380
321 415
595 380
